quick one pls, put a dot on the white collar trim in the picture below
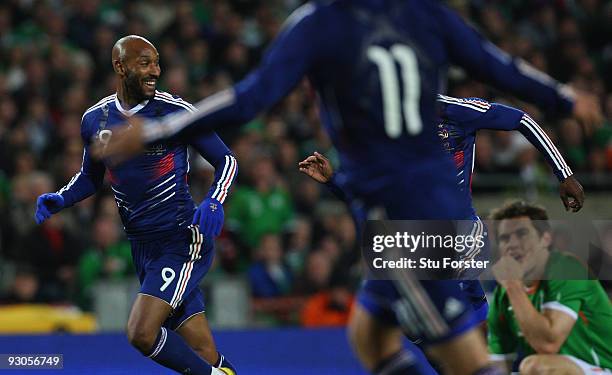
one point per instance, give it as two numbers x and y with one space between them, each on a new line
130 112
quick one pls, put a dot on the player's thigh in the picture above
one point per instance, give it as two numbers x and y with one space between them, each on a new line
192 305
196 332
180 265
372 340
546 364
146 318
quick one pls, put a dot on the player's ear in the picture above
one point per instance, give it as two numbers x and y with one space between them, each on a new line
119 67
547 239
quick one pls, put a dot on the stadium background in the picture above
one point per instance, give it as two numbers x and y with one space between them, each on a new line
74 272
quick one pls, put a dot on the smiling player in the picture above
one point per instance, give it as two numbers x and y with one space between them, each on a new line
171 238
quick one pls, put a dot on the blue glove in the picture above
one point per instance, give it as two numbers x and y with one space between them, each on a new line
47 205
209 215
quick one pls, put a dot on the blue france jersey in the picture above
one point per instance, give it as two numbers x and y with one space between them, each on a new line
460 119
377 66
151 190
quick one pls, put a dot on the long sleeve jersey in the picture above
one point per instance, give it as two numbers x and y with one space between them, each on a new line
460 120
151 190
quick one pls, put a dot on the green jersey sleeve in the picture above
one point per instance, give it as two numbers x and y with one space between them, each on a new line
567 296
567 285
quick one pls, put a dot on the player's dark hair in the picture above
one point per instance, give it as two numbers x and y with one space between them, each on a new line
516 209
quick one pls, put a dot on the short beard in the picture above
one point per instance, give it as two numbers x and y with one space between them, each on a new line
133 87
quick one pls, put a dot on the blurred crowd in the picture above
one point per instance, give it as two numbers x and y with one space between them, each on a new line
569 40
284 233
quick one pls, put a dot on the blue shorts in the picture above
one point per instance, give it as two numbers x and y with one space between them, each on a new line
171 268
432 310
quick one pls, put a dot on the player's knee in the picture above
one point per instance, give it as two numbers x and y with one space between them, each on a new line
532 365
141 338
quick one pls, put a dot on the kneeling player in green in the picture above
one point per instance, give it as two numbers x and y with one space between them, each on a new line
545 310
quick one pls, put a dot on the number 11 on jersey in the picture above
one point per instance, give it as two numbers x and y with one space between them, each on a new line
385 61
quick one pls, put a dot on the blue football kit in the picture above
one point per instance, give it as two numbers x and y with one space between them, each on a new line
151 191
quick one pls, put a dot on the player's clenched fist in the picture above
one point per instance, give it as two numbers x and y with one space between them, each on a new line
47 205
572 194
209 215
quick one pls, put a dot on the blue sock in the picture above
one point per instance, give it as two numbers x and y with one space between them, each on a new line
404 362
171 351
223 362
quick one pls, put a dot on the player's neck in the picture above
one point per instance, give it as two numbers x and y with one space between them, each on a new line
127 100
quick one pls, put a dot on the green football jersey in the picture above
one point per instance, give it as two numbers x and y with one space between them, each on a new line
566 288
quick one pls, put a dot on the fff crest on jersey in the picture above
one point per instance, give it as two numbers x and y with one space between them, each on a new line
156 149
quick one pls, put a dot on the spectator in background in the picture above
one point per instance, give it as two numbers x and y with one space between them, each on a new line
346 233
54 252
270 276
227 256
330 307
24 187
316 274
264 207
24 289
300 239
574 144
307 195
110 258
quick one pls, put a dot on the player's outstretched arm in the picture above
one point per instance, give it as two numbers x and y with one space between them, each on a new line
210 214
570 190
475 114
